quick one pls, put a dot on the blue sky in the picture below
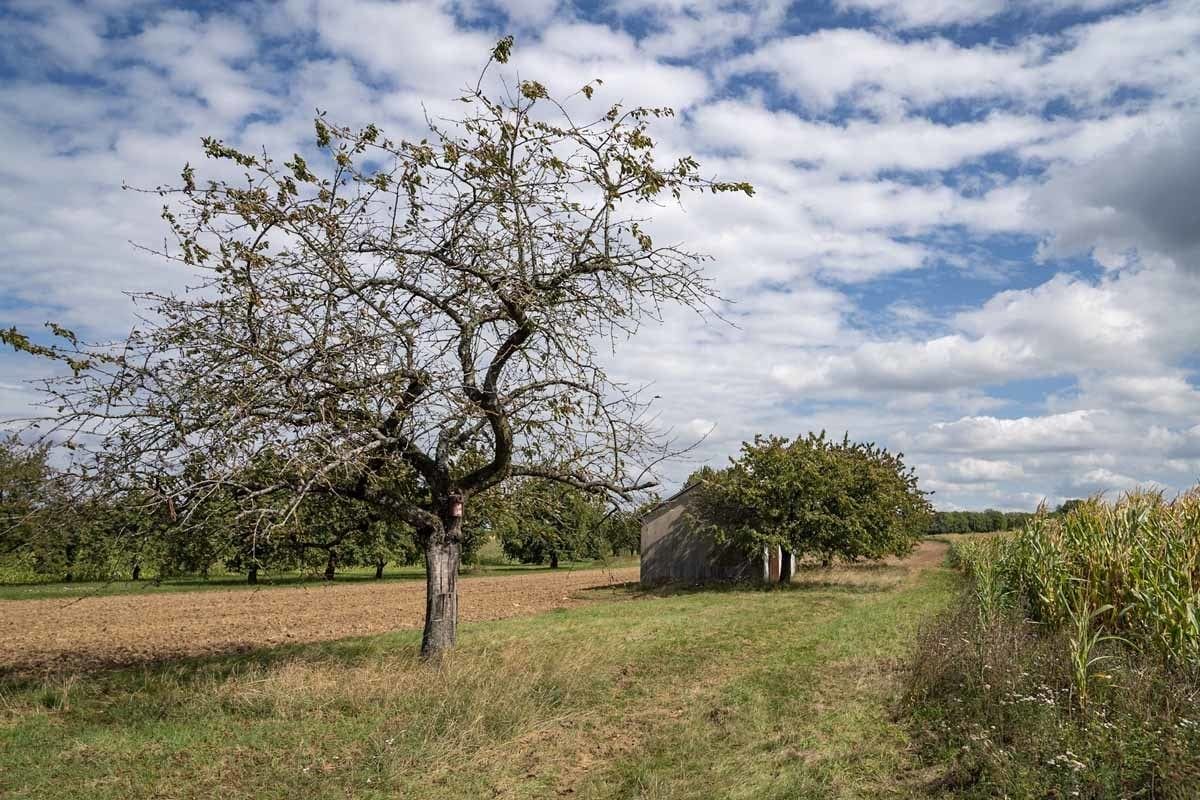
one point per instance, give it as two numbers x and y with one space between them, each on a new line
975 237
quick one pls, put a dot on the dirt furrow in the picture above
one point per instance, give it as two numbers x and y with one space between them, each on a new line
95 632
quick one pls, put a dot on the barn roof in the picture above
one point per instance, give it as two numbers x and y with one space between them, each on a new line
665 504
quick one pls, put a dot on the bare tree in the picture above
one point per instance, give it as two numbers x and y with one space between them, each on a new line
427 316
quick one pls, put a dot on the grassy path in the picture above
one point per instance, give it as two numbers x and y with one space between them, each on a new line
731 693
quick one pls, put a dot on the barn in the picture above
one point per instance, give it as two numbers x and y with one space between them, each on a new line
673 552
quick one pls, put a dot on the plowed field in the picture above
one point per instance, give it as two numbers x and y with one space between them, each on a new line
95 632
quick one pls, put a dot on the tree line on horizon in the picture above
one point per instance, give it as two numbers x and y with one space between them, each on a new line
52 529
986 521
991 520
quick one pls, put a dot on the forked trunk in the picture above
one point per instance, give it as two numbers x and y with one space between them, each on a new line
442 555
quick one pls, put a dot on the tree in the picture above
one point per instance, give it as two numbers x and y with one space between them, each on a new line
383 542
814 496
425 312
623 527
544 522
1067 506
37 505
26 492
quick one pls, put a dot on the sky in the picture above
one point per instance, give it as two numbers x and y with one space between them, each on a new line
975 237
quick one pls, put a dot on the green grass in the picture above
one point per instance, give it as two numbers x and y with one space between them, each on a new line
268 580
725 693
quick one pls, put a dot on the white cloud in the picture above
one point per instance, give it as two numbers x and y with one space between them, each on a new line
1075 430
1102 481
861 147
415 43
1139 194
981 470
1111 335
882 155
943 13
685 28
823 67
1154 49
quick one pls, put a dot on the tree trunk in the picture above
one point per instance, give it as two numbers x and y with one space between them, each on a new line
252 574
442 554
553 559
137 572
379 564
331 564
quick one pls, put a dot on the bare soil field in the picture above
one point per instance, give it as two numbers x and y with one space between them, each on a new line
97 632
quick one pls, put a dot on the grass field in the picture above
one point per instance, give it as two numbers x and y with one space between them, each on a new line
744 693
39 590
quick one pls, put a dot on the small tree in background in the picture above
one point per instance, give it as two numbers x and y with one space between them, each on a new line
814 497
544 522
1067 506
26 493
622 529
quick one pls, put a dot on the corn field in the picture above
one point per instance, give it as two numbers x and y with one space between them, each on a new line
1127 570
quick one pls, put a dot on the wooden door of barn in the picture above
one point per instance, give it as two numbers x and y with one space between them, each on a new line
774 563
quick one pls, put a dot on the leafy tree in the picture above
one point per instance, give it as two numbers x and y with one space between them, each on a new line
623 527
120 535
48 524
394 306
1067 506
548 522
814 496
385 543
28 493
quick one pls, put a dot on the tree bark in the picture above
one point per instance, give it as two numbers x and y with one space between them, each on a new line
553 559
379 564
252 574
442 555
137 572
331 564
